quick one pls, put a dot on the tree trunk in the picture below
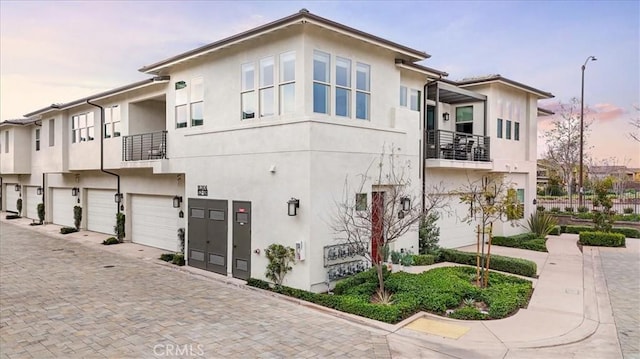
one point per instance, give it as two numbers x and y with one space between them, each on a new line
380 276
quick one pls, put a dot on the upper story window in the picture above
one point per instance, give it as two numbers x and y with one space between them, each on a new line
37 139
499 128
516 131
267 96
343 87
52 132
248 94
82 127
415 100
403 96
287 82
181 104
464 119
111 121
363 91
321 81
189 103
197 101
507 134
6 141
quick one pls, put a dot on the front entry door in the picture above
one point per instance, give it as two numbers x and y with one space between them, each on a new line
208 235
241 258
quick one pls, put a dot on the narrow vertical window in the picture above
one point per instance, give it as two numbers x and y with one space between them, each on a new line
287 82
363 91
499 128
115 120
37 139
403 96
52 132
90 127
343 87
106 131
181 104
464 119
248 96
197 101
267 97
508 130
321 81
6 141
415 100
516 131
361 201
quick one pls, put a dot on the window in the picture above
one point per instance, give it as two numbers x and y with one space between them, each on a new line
464 119
361 201
287 82
499 128
363 89
6 141
321 80
248 96
343 87
415 100
267 97
37 139
520 196
197 101
111 121
403 96
82 127
516 131
52 132
181 104
508 131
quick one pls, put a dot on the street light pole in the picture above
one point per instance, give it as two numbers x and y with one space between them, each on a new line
581 190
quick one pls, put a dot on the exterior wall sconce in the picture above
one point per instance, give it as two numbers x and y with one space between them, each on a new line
176 201
535 201
118 197
17 188
292 206
445 116
75 191
405 202
39 191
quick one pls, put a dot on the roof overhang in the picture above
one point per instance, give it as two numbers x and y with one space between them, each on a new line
507 82
424 70
300 18
452 94
545 112
18 122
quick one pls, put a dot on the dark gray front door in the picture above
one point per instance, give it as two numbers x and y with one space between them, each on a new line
241 265
208 234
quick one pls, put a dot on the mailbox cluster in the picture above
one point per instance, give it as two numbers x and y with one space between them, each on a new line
342 260
342 270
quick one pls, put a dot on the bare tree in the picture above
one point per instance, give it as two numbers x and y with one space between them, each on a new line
386 218
490 199
563 140
635 123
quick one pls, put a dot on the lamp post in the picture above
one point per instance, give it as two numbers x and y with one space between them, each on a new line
581 189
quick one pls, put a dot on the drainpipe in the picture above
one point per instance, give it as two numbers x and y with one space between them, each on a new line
43 191
102 149
424 136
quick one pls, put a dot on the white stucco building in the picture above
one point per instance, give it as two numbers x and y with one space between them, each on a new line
235 129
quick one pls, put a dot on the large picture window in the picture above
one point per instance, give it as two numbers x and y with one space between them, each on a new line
321 81
82 127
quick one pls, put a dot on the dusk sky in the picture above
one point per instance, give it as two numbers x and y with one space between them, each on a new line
55 51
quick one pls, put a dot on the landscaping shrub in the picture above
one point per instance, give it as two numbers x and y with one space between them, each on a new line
568 209
67 230
468 313
110 241
19 205
253 282
167 257
556 231
280 260
628 210
368 276
626 231
540 208
77 216
40 209
12 216
563 228
118 229
178 259
423 259
429 234
518 266
555 209
603 239
535 244
583 209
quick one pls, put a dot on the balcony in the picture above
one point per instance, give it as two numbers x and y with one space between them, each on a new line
448 149
145 146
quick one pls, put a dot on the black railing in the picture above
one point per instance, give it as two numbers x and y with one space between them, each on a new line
457 146
145 146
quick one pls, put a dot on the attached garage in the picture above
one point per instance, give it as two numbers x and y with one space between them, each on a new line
101 210
30 202
12 197
454 231
154 222
63 203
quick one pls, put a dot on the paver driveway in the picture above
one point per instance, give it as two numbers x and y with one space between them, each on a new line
63 299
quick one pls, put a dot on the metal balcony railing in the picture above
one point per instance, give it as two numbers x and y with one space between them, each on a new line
145 146
457 146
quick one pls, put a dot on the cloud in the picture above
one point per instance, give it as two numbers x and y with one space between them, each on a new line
606 112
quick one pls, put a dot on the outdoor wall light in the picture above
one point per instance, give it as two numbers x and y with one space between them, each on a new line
535 201
17 188
176 201
75 191
445 116
118 197
405 202
292 205
39 191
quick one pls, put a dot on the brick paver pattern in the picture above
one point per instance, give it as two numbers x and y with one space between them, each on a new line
623 282
67 300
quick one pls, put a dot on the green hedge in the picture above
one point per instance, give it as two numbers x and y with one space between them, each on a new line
423 259
626 231
556 231
67 230
468 313
528 241
518 266
602 239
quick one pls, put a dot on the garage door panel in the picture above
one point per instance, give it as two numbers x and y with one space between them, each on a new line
454 231
12 197
30 205
63 203
154 222
101 211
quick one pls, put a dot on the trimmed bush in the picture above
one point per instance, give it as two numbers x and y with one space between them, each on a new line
110 241
167 257
568 209
67 230
626 231
40 209
178 259
540 208
468 313
563 228
583 209
518 266
556 231
423 259
253 282
602 239
628 210
555 210
536 244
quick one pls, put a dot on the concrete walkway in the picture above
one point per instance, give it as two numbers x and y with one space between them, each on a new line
569 314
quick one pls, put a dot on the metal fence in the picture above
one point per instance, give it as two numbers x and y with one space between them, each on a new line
145 146
457 146
571 203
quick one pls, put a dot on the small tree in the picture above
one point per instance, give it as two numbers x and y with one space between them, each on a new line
41 212
429 233
280 260
604 218
77 216
119 227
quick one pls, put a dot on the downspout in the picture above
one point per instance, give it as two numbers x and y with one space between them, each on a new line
424 137
43 192
102 149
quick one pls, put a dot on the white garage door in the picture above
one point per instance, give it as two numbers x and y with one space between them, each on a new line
154 222
63 203
101 210
12 197
454 230
30 203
